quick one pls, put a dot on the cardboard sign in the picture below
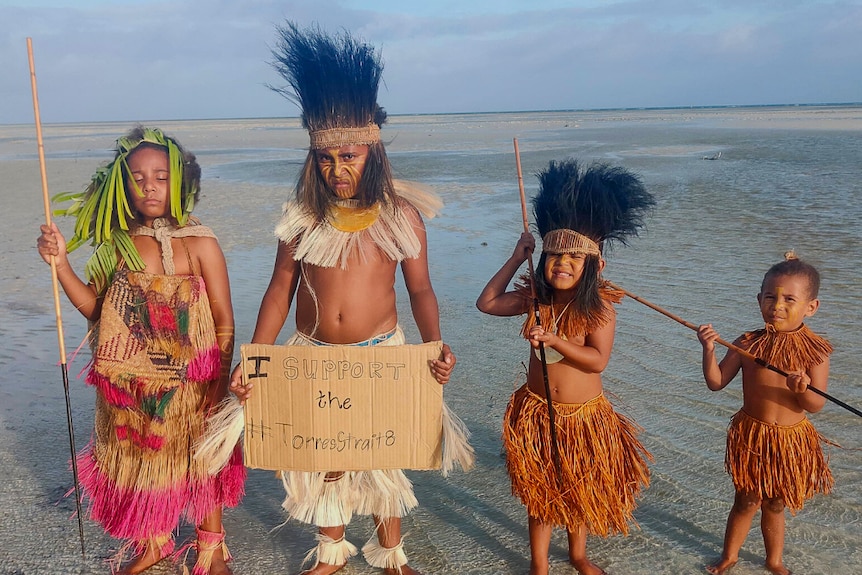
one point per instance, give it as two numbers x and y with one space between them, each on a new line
342 408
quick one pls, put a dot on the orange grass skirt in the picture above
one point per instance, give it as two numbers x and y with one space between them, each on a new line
604 465
777 461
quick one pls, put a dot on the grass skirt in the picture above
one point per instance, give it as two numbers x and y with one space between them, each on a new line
603 464
155 358
777 461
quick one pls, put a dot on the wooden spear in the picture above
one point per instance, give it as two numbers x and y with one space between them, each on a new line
735 348
555 449
63 368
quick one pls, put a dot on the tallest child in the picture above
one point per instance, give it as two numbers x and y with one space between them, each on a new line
341 239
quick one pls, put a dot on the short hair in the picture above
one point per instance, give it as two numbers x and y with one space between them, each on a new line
793 266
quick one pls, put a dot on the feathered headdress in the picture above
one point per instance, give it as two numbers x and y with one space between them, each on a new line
577 210
334 80
103 209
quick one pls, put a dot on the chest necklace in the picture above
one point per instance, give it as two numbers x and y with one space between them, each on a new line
551 354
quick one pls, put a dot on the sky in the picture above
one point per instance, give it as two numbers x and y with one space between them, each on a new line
148 60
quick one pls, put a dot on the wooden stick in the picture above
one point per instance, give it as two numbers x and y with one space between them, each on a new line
736 348
524 216
56 285
555 448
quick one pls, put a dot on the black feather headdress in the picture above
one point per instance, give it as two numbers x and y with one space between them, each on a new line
604 203
579 211
334 80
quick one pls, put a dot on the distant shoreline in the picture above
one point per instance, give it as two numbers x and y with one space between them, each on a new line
809 106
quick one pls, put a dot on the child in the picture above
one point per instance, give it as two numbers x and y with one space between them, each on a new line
603 465
773 452
340 241
158 291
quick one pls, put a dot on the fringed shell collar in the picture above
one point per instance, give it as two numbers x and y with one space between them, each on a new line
331 244
789 351
569 322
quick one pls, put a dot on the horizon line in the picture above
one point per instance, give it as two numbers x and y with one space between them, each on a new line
612 109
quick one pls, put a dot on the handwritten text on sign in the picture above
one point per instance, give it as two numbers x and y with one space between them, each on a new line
342 408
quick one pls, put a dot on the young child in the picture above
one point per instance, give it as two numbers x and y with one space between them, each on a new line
773 452
603 465
157 290
341 240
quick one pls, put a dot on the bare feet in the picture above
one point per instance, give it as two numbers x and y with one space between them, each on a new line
779 569
142 562
323 569
327 569
218 566
587 567
721 566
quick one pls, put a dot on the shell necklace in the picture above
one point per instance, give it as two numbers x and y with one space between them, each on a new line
551 354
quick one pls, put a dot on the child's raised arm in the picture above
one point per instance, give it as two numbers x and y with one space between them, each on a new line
494 299
717 375
83 296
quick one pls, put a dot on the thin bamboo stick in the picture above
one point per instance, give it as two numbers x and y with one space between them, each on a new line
555 449
56 288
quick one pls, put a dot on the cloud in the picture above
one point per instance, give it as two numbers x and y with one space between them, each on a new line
151 60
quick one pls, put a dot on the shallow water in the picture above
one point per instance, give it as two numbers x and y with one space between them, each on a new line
786 178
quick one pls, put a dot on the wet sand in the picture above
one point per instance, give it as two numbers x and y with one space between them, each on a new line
468 523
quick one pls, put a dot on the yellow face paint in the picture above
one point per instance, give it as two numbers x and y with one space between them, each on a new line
784 302
341 168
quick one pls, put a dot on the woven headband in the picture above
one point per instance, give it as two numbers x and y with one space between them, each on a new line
565 241
337 137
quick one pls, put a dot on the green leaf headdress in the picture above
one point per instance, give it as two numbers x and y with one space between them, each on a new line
103 210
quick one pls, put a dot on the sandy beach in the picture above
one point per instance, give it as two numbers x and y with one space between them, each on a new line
700 246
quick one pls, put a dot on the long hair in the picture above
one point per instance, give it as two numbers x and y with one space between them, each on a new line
334 79
374 186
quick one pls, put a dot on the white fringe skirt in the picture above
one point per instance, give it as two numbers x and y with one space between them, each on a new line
330 499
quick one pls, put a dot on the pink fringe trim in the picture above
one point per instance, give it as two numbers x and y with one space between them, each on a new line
205 366
138 513
232 478
152 442
112 394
